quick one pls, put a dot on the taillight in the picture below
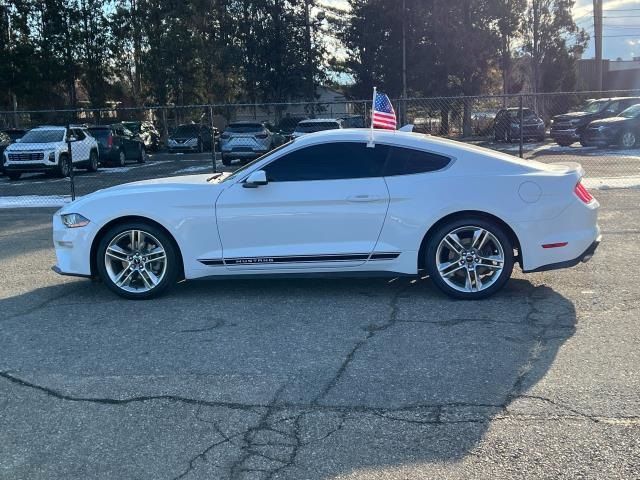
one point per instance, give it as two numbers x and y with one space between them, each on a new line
582 193
110 141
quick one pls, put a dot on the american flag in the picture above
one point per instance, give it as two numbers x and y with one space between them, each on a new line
383 114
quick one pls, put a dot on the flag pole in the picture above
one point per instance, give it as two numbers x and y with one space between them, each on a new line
371 143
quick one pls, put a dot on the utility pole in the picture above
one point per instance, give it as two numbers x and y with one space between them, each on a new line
597 28
307 24
403 110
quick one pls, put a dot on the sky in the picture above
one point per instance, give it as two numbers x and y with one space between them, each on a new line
621 26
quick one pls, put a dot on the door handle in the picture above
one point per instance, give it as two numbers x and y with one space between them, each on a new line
363 198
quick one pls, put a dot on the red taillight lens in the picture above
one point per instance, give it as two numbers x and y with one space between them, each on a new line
110 141
582 193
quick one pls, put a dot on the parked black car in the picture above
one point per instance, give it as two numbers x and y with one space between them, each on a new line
193 137
7 137
506 125
147 132
623 130
569 127
117 144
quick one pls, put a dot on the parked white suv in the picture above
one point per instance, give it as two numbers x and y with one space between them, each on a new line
45 149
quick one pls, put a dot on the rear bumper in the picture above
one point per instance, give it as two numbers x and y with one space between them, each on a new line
583 257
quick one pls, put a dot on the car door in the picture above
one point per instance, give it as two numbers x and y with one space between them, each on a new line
323 206
80 150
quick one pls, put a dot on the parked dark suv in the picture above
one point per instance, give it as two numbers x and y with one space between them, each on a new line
569 127
117 144
506 125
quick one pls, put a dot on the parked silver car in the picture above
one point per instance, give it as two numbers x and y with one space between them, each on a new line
316 125
245 141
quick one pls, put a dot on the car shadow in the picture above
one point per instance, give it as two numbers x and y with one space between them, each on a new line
375 373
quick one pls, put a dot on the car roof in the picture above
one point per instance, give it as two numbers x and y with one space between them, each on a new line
320 120
247 122
50 127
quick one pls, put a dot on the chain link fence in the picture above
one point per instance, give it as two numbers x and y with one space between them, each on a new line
51 156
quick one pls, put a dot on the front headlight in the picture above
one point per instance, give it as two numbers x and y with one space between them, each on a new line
191 141
74 220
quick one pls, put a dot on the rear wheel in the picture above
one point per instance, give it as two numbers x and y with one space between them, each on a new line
137 260
469 258
628 139
93 161
564 143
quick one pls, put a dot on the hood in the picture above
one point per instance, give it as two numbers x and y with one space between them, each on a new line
573 116
151 190
609 121
22 147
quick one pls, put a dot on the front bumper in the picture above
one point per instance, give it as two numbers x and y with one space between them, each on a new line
597 139
564 135
237 153
24 167
73 247
583 257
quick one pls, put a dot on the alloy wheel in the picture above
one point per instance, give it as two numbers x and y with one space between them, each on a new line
628 139
470 259
135 261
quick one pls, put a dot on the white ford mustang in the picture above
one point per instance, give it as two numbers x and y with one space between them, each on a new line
329 203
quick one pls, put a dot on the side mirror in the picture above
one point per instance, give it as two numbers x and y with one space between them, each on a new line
255 179
73 138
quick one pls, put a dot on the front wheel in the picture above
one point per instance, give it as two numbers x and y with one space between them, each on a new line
469 258
141 154
137 260
64 166
628 140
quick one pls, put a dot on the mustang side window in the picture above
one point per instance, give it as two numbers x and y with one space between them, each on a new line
329 161
407 161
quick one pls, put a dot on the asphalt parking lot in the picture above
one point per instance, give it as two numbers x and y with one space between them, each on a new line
320 379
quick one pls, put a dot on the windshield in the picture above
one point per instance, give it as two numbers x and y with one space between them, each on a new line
245 128
43 136
316 127
631 112
593 107
526 114
133 126
241 170
184 130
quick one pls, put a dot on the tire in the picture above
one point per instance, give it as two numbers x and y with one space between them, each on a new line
93 162
141 155
14 175
122 159
128 271
226 161
491 264
628 139
564 143
64 166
